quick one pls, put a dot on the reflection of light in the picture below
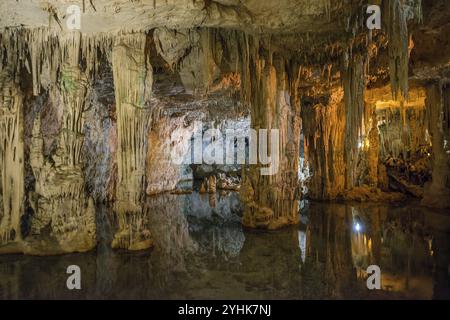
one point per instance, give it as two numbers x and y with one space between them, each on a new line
302 244
357 227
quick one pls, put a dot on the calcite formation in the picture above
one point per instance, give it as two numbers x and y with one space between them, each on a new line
132 90
324 133
437 193
346 104
59 200
268 199
11 159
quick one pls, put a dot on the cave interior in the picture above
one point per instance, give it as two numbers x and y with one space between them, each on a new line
92 118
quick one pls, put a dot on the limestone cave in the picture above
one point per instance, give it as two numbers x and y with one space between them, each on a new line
225 149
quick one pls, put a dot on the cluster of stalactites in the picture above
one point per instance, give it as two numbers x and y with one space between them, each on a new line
48 50
396 14
395 137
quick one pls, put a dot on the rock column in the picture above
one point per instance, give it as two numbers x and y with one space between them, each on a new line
437 193
133 78
269 199
11 159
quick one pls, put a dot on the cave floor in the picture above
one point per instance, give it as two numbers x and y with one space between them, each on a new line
201 251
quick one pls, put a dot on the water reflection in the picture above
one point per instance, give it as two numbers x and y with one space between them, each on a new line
201 251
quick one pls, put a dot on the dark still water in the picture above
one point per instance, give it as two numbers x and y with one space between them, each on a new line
202 252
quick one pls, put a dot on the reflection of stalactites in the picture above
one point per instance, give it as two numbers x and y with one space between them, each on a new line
170 230
329 251
212 200
271 258
133 230
441 275
11 160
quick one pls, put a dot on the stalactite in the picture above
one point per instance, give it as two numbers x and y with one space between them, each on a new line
396 138
47 52
396 14
11 159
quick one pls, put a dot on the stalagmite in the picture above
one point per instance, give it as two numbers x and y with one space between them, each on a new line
133 77
11 159
437 193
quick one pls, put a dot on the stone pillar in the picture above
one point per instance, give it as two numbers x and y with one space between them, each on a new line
269 200
354 83
437 194
373 152
324 130
133 84
133 78
59 199
11 159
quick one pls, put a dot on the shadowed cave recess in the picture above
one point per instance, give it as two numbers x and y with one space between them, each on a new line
93 118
